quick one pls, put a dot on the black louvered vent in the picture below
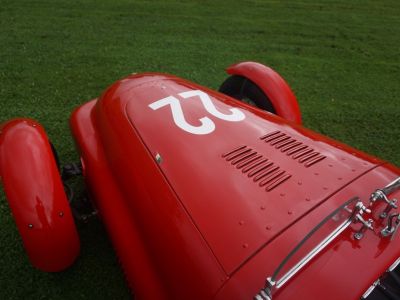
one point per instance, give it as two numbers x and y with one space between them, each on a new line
257 167
293 148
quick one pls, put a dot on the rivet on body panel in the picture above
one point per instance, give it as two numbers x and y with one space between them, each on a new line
61 214
262 207
282 194
308 199
158 158
30 226
245 245
289 212
241 223
268 227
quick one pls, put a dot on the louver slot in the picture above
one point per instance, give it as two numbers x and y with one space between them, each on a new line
257 167
249 162
254 165
291 147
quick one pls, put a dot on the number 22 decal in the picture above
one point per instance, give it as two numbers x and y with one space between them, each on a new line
207 125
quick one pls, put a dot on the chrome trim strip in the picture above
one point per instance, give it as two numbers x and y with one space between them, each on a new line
370 289
394 184
394 265
313 253
397 180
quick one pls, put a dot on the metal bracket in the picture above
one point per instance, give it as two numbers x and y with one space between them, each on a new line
379 195
392 225
382 195
366 225
390 205
357 217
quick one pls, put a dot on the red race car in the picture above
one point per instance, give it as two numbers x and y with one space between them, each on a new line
208 197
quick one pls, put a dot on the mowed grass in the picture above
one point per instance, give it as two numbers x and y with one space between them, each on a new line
341 59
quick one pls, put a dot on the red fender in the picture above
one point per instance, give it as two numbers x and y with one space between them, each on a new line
273 85
36 196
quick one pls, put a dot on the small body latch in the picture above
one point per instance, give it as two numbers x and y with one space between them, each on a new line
358 218
366 225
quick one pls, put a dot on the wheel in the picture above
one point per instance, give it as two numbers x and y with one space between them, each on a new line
245 90
264 87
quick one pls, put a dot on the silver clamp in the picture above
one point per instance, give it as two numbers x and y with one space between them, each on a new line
378 195
366 225
382 195
392 225
359 209
390 205
358 218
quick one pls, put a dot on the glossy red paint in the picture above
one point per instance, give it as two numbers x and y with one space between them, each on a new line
203 195
36 196
188 223
150 229
273 85
112 208
219 191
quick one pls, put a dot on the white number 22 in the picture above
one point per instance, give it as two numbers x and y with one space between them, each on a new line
207 125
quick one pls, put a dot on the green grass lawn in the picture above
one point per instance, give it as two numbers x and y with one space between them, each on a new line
341 58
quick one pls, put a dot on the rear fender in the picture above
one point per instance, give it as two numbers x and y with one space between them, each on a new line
273 85
36 196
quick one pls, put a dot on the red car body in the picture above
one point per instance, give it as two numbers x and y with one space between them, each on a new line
202 195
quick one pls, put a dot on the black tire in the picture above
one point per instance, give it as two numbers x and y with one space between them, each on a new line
56 157
245 90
